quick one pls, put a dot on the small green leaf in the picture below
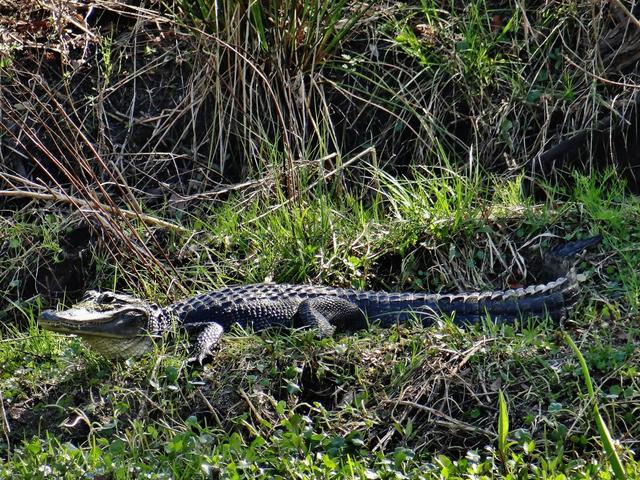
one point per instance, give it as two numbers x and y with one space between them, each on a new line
534 95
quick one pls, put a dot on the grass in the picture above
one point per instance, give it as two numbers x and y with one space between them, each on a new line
603 430
370 145
368 405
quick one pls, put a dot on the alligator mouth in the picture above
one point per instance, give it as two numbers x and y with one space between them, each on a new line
119 323
116 333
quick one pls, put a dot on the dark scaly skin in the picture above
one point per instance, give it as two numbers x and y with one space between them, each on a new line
122 326
262 306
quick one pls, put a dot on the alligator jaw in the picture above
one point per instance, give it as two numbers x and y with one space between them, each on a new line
120 348
120 323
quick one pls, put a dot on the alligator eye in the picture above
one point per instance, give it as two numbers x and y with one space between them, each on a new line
107 298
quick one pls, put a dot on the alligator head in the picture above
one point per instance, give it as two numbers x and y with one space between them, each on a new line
115 325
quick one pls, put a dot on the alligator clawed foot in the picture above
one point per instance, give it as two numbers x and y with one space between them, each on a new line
207 342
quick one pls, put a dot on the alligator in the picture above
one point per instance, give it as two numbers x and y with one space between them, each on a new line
123 326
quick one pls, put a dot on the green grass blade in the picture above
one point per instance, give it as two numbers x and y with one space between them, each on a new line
503 422
503 428
256 17
603 430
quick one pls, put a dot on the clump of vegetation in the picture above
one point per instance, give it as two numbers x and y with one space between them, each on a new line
168 149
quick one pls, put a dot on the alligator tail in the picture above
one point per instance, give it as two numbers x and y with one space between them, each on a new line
570 249
553 299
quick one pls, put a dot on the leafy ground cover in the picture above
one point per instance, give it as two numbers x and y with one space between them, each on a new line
167 149
408 402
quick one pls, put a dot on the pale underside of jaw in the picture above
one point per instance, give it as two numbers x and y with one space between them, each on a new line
111 347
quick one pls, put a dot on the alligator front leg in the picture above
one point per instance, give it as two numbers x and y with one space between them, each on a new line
207 341
325 314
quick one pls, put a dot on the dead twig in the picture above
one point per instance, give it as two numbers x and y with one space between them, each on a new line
93 205
626 12
446 421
